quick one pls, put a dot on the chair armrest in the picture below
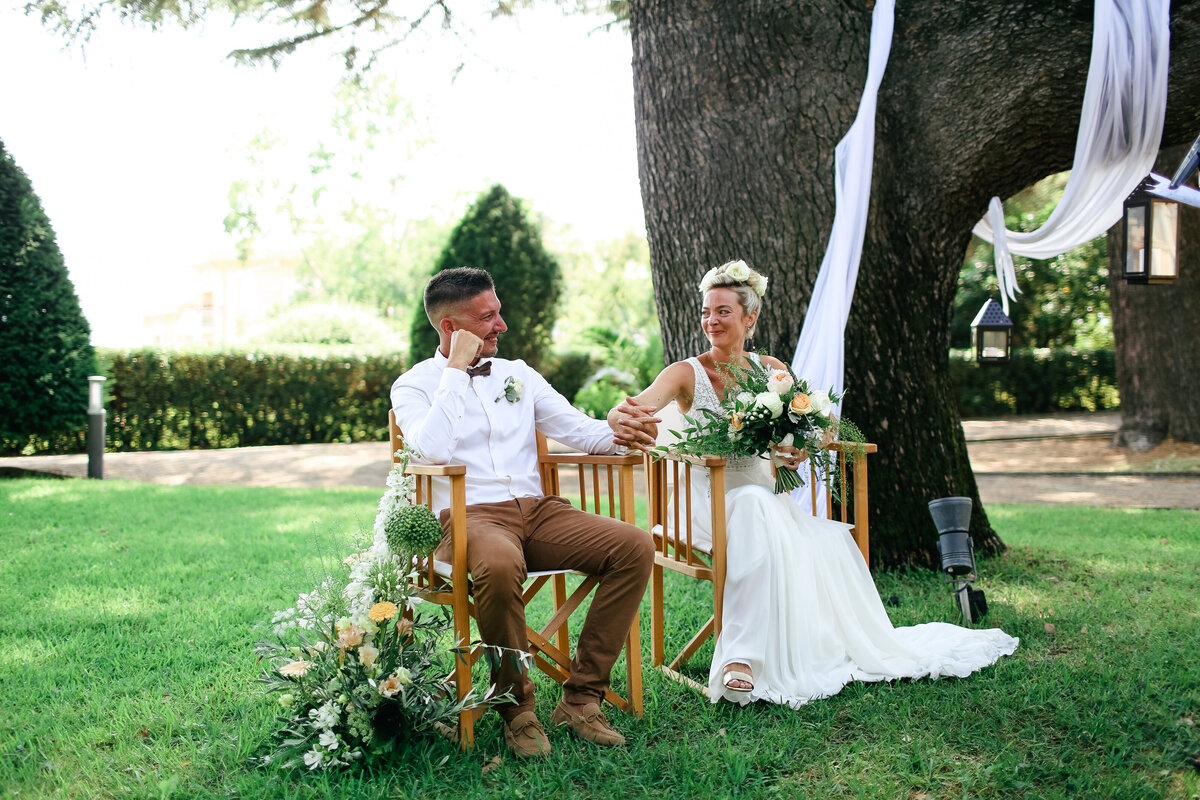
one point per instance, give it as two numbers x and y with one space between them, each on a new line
699 461
842 447
626 460
436 470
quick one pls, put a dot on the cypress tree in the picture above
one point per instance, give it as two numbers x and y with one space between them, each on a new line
45 349
497 235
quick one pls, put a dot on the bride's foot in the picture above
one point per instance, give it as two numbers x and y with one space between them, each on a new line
737 677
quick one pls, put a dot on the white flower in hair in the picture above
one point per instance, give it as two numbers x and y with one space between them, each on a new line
759 284
738 270
707 281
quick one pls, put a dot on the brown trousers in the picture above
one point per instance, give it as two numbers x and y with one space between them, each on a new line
507 540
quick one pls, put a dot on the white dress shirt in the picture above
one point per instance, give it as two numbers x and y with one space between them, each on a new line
448 417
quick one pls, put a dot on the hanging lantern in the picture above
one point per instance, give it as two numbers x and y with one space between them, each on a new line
992 332
1151 228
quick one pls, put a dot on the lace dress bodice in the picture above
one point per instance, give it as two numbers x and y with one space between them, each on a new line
704 396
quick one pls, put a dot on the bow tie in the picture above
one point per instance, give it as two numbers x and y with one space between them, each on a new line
483 370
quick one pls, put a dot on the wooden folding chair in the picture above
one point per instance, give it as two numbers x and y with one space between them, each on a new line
609 482
669 485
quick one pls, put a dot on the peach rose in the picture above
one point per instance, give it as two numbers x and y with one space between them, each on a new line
736 422
800 404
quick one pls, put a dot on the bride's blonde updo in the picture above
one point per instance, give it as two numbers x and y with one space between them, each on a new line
749 285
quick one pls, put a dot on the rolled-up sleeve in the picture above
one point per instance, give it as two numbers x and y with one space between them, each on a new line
431 422
558 419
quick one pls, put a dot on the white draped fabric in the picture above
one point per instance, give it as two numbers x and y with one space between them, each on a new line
1120 127
821 351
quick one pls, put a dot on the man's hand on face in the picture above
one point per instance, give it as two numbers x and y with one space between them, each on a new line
634 425
464 349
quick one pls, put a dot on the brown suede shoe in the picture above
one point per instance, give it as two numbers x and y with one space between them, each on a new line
525 736
587 722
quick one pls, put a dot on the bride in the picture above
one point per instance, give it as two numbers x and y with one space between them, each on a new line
802 617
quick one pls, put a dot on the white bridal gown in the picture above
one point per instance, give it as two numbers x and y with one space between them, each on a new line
800 606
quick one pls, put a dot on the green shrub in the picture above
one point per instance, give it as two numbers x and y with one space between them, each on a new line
1036 382
568 372
333 324
45 349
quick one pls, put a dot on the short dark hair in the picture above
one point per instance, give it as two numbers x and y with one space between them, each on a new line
453 286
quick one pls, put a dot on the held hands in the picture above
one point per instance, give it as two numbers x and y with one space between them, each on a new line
465 347
634 425
787 456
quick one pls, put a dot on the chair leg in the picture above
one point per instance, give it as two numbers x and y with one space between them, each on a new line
562 636
657 644
633 666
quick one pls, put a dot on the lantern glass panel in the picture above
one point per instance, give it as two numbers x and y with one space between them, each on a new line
1135 240
1163 239
993 344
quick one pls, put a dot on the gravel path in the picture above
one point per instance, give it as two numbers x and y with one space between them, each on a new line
1053 460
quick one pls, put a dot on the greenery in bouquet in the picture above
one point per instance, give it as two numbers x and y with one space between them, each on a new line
766 408
357 670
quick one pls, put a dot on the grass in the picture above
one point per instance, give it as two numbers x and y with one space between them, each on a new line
128 614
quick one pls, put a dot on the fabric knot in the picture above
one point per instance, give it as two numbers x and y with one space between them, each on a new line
483 370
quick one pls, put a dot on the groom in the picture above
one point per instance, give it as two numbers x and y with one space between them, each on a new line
465 406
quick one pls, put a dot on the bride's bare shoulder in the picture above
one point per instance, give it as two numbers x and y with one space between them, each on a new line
773 362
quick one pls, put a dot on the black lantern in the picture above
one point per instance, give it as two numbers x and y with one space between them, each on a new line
1151 227
992 332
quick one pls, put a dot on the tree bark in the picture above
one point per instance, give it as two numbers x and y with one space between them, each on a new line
1157 332
739 107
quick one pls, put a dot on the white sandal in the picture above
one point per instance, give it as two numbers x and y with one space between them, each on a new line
731 675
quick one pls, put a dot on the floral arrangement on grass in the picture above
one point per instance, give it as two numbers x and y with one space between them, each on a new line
357 671
763 409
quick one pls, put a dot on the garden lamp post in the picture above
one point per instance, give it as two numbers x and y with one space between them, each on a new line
991 331
952 517
95 433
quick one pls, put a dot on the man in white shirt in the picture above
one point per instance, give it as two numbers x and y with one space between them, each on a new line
456 409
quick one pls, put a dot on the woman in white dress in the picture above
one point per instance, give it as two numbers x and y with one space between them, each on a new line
802 617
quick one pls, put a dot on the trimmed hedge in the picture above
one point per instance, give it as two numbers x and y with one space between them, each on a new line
185 401
1036 382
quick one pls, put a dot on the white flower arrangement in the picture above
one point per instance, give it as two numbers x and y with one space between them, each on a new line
354 666
738 270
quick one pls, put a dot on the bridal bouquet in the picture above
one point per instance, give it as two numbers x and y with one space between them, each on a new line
766 408
356 671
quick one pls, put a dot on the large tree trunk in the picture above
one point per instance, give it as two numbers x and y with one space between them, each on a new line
1157 330
739 107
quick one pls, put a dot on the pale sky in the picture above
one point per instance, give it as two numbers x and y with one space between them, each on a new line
133 145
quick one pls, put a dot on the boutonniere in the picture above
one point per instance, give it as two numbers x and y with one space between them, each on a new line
512 390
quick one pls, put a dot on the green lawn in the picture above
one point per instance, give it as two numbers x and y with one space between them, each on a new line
128 615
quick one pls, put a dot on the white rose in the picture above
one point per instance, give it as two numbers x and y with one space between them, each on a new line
745 398
820 403
738 271
759 284
780 381
771 402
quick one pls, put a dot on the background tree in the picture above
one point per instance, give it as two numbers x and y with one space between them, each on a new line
339 197
44 339
739 108
497 235
1157 330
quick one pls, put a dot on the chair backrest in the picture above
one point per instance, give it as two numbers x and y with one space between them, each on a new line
673 502
604 484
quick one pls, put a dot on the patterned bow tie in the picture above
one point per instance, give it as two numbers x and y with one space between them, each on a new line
483 370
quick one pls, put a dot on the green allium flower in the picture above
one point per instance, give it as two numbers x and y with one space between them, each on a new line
412 529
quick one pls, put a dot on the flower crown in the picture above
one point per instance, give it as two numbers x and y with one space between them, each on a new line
738 270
